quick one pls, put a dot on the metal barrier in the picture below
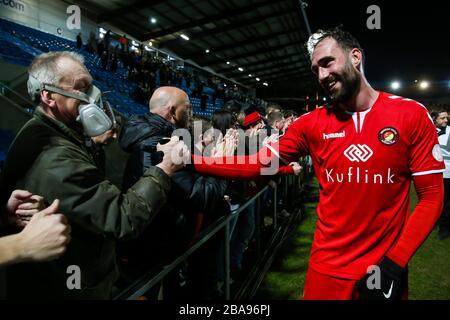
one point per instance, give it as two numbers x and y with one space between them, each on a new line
150 279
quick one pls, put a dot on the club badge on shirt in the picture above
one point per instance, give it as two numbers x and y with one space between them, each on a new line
388 136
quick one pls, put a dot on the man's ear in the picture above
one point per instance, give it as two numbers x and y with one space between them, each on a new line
48 99
172 111
356 57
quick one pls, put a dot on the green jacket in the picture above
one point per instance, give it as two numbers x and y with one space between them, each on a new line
51 160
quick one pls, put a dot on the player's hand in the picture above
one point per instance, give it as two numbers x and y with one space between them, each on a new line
385 283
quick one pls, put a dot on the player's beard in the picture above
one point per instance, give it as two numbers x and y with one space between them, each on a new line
349 79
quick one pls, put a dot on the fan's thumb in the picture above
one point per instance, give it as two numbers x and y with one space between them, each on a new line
53 208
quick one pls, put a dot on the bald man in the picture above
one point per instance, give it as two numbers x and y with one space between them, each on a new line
173 105
169 109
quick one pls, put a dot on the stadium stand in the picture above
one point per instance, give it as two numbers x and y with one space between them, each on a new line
20 44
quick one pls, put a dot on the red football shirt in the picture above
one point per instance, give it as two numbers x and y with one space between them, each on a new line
364 162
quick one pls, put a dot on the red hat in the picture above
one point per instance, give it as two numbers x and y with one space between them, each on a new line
252 118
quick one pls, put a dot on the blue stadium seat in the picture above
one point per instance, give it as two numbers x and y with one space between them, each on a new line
20 44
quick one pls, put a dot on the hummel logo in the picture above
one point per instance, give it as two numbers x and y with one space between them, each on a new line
334 135
388 295
357 153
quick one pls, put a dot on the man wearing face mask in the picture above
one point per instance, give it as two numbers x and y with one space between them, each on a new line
49 157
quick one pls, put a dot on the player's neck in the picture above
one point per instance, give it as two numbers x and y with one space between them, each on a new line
362 100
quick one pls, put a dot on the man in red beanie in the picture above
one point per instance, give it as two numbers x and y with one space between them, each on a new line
252 120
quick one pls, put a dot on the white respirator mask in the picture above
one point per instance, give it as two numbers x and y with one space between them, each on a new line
95 115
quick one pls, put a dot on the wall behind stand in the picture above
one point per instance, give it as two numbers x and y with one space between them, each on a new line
45 15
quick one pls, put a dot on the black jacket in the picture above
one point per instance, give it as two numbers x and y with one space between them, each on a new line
190 195
139 137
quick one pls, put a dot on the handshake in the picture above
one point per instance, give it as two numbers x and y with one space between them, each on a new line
175 155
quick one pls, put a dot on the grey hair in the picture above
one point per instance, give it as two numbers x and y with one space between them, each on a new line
313 40
344 39
44 67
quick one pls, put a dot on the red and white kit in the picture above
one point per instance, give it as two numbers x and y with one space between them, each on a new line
364 162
